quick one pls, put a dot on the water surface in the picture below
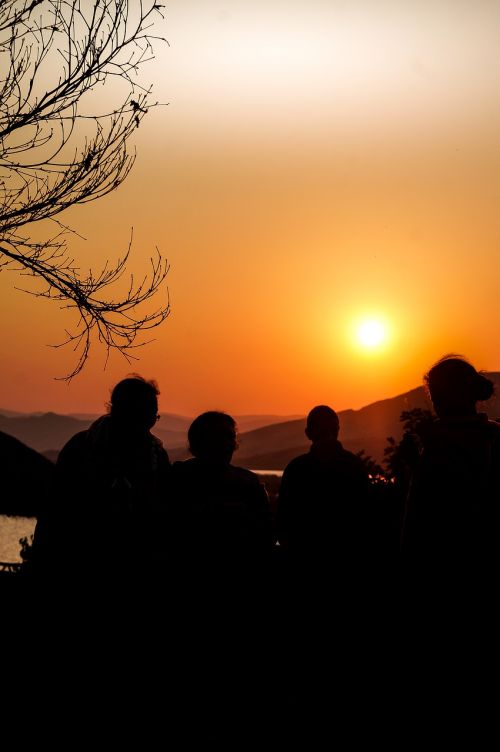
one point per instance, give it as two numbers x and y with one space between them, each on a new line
11 530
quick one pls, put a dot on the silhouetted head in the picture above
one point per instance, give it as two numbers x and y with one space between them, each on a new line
455 386
322 424
134 403
212 437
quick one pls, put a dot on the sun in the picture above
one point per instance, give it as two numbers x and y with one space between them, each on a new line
371 334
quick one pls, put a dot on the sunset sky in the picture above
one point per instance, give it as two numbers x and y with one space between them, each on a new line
319 164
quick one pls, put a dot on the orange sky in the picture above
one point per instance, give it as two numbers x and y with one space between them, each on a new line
317 161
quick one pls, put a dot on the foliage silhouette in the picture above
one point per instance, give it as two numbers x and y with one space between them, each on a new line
374 469
60 146
26 544
401 457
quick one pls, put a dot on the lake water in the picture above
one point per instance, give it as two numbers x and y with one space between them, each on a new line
11 529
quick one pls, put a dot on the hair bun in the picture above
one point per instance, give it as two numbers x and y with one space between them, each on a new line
484 388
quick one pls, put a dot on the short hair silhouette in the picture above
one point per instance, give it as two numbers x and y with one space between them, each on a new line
322 423
213 435
455 386
134 401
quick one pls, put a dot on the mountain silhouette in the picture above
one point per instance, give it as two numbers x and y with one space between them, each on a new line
366 429
272 447
40 432
48 432
267 442
26 477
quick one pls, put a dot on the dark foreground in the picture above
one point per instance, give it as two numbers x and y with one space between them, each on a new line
297 663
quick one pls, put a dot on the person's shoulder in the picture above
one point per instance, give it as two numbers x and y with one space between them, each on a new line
353 461
297 463
494 427
246 482
241 473
74 444
74 453
349 456
463 429
159 449
179 467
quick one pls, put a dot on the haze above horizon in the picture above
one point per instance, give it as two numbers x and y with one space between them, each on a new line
319 165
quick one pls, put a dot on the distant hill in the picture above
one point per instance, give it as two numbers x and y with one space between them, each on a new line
26 477
271 447
367 429
252 422
10 413
267 442
48 432
42 432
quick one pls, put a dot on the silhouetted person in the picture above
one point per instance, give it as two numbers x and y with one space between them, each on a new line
322 530
97 565
450 554
224 510
450 532
322 507
103 530
225 545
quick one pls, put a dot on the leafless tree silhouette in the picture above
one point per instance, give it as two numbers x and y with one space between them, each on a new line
55 152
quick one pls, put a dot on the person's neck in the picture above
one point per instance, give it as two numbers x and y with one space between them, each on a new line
324 446
461 412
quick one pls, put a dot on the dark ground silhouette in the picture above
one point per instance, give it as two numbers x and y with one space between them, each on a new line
226 636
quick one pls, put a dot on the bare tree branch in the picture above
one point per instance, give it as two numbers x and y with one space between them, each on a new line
59 148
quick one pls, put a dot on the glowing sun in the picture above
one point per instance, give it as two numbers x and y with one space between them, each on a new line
371 334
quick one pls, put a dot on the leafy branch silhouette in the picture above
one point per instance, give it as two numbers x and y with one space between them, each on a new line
60 146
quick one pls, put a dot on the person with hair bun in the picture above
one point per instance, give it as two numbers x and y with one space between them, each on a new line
455 387
450 528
